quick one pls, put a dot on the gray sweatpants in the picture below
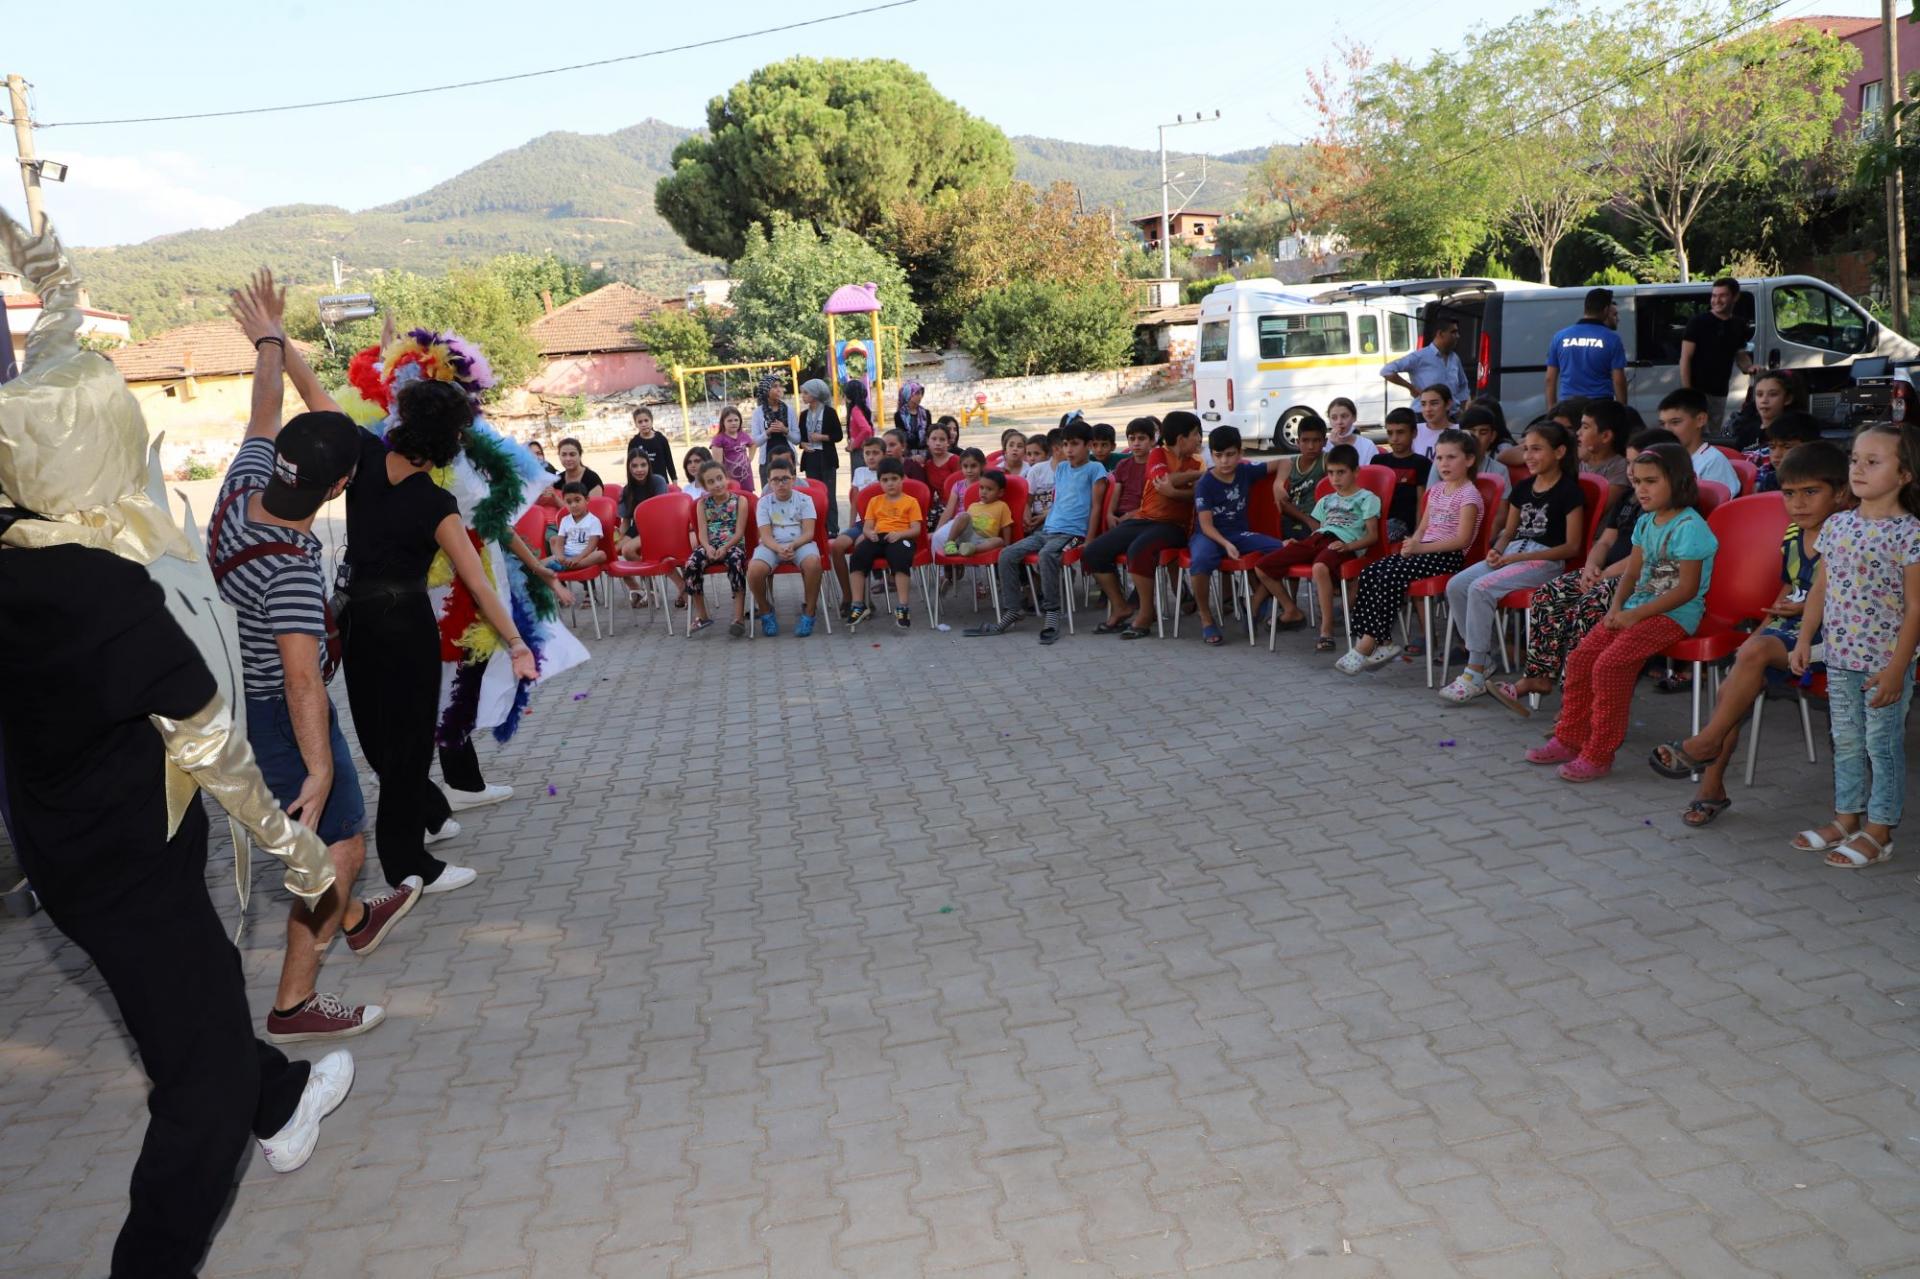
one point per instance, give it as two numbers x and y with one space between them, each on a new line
1050 547
1474 596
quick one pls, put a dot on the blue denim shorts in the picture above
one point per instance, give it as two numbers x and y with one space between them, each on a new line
277 751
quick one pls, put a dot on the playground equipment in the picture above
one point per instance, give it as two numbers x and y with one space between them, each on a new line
791 364
977 409
856 359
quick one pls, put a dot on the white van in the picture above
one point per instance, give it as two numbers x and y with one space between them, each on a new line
1270 354
1797 322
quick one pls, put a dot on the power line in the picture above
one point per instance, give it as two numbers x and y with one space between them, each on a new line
472 84
1631 74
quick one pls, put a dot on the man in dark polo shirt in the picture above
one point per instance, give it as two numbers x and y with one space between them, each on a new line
1714 343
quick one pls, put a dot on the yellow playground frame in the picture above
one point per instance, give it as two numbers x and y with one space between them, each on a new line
791 364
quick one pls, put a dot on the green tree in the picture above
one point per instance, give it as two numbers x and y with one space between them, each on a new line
1045 326
832 142
1732 111
961 245
783 277
678 338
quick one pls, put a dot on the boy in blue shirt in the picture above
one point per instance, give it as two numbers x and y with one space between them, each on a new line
1220 502
1588 359
1077 481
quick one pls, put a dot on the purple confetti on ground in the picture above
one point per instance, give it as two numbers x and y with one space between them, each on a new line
1448 742
579 697
551 790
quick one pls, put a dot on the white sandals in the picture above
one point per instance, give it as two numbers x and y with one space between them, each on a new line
1854 859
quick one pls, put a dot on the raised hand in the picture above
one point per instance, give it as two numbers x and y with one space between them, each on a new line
259 308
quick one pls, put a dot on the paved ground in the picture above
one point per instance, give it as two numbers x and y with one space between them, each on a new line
906 955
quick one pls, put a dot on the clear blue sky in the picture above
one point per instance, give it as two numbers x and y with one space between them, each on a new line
1105 73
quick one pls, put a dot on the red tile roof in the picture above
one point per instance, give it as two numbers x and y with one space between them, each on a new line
213 348
31 302
1844 28
598 321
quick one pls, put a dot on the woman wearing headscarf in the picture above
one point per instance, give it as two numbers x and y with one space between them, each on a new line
819 434
912 419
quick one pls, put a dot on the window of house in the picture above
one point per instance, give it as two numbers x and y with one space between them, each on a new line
1305 333
1872 105
1199 228
1213 341
1807 316
1399 334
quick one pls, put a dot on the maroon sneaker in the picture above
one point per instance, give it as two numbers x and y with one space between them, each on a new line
383 912
323 1016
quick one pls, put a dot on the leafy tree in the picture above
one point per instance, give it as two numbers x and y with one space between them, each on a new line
961 245
1732 111
1045 326
1194 290
678 338
832 142
783 277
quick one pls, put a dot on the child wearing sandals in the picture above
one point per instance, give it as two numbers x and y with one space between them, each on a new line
1813 483
1866 602
1565 609
1658 602
1454 510
720 518
1545 527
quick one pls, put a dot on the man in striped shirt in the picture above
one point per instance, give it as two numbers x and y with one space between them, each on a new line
268 564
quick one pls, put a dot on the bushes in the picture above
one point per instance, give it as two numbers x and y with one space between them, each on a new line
1033 326
1194 290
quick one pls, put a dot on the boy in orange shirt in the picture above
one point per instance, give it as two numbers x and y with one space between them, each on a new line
893 521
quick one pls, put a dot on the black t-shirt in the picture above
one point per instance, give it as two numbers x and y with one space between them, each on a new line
390 526
1543 517
1413 471
1626 514
84 764
589 479
1715 343
659 454
631 495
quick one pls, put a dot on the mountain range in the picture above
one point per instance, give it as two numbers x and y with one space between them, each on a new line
585 197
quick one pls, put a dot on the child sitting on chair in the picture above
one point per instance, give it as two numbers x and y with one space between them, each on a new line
720 521
982 526
578 533
893 521
1342 524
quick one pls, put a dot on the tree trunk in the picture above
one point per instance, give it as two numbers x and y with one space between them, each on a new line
1545 248
1680 256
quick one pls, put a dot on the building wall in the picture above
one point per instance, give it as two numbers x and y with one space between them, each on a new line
206 428
1873 66
608 373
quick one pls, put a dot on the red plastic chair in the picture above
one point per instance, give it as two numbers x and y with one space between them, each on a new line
612 493
1263 516
1746 580
1815 689
922 554
1427 589
662 524
1749 474
818 492
749 538
1713 496
1016 499
587 578
1517 472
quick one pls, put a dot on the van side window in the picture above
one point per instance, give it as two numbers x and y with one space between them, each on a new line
1813 317
1369 334
1660 320
1399 334
1213 341
1304 333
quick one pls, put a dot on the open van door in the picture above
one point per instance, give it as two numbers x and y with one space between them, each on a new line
1817 333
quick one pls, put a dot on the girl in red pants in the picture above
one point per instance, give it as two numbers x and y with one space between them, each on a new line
1659 601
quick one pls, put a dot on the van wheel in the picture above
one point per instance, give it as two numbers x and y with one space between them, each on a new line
1287 430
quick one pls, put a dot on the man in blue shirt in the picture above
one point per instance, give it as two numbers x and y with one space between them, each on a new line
1076 489
1432 365
1588 359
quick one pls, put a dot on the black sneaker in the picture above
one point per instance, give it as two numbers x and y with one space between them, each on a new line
1050 628
860 613
1006 623
903 619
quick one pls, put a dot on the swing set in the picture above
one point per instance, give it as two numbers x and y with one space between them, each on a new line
790 365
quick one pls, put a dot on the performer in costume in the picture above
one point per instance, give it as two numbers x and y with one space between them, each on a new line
495 481
113 720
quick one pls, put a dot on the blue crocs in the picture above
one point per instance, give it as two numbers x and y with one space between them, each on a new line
769 625
803 627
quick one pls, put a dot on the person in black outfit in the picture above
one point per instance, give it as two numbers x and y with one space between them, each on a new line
1715 341
659 451
397 519
819 435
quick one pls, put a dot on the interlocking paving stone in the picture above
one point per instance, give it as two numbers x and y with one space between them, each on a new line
912 955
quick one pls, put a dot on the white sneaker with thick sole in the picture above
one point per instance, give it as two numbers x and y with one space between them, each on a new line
1382 655
449 829
326 1088
451 878
461 800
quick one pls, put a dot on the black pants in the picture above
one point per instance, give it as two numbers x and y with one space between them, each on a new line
898 555
393 689
143 916
460 768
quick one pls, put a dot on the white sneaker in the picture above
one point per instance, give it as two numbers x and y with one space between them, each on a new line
451 878
1382 655
448 830
461 800
326 1088
1350 664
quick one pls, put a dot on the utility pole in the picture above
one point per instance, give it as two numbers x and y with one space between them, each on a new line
1896 182
1166 185
23 141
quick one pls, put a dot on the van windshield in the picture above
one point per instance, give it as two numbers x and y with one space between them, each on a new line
1304 333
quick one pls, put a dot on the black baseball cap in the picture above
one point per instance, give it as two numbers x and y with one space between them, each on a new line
313 452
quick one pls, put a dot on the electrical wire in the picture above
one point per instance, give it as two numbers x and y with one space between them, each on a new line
471 84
